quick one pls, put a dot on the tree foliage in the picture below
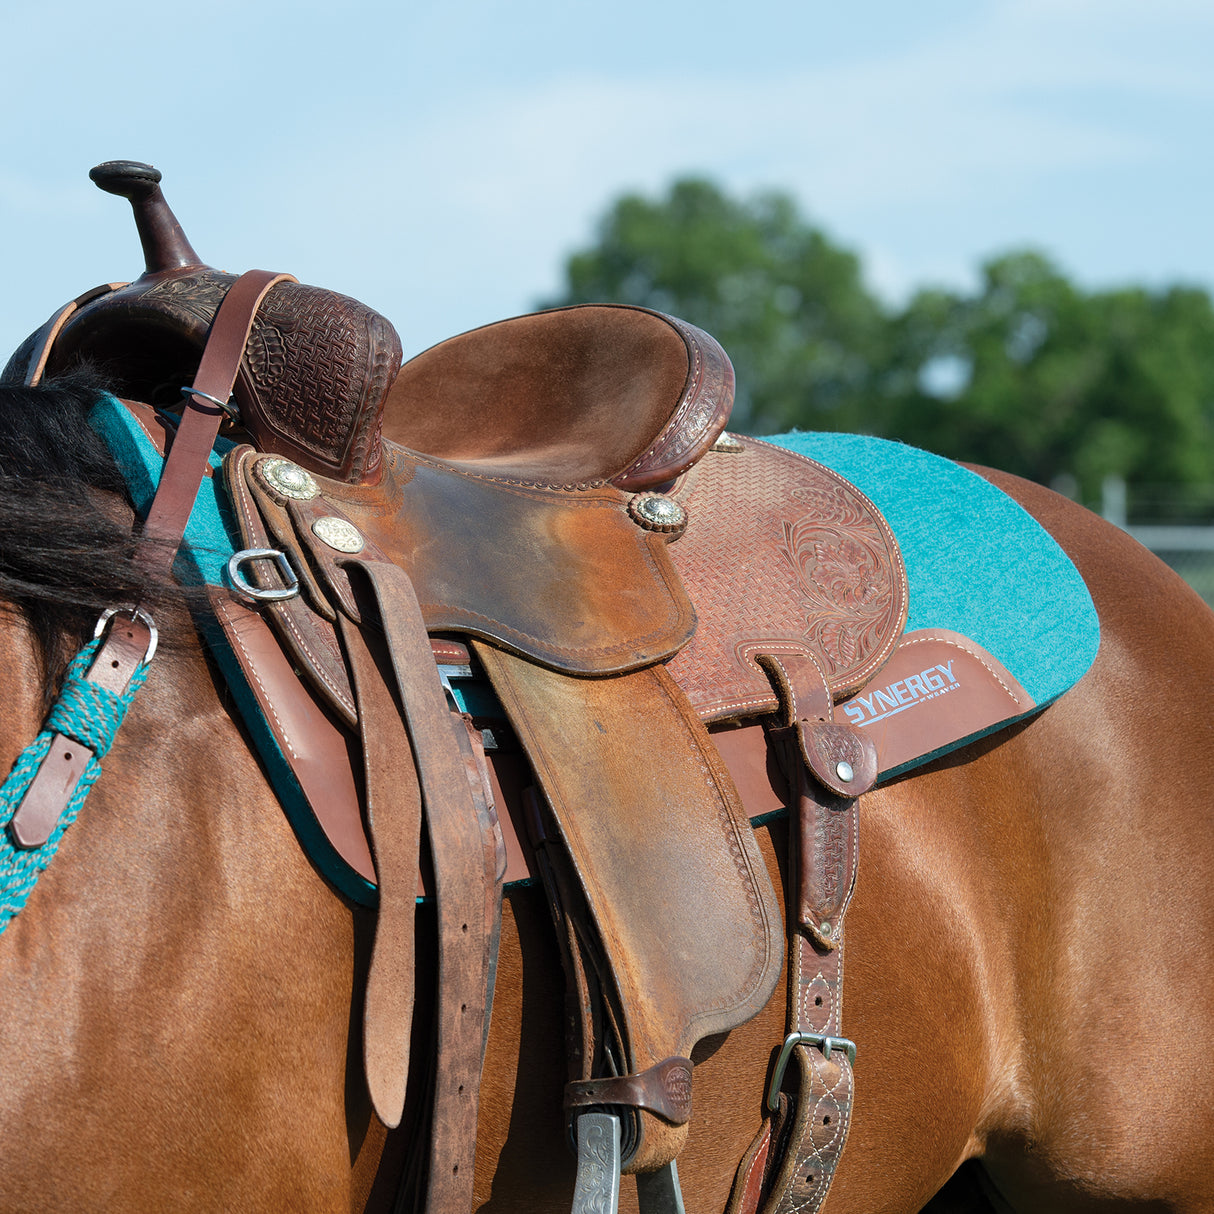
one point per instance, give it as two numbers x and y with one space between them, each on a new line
1049 381
1028 372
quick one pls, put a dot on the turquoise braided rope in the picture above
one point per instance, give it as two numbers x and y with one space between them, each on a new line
88 715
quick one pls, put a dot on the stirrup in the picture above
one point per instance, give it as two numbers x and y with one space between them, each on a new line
597 1189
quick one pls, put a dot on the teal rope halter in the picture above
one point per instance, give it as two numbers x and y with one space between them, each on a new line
90 716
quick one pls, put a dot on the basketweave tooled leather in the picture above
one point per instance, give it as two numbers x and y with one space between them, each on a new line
781 555
316 369
312 383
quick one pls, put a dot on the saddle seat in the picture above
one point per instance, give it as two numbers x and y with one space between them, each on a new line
571 397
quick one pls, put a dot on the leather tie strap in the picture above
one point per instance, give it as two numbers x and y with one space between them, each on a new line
461 844
394 818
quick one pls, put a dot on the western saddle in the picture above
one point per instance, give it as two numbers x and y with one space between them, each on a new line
553 501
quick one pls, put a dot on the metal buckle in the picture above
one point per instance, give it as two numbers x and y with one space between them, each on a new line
136 613
227 406
820 1041
447 672
263 594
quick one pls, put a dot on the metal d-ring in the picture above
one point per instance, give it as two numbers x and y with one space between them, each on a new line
136 613
227 406
820 1041
262 594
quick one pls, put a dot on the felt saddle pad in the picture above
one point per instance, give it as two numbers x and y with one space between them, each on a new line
987 584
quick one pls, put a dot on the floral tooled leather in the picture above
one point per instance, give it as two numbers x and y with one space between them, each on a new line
781 555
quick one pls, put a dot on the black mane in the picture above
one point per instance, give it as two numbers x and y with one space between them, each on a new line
66 551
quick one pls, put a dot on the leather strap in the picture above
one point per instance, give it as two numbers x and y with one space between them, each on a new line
201 419
115 663
394 818
457 827
819 1107
664 1089
789 1166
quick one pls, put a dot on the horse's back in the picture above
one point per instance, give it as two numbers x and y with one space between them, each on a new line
1114 990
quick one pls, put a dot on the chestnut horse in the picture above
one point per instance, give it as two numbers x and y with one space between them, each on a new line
1029 972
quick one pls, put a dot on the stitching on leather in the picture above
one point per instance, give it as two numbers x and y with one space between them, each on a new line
251 671
251 512
713 711
754 1162
151 438
509 481
681 410
730 830
939 640
752 648
288 621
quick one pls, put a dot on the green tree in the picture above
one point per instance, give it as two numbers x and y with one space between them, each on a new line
1029 372
1034 375
804 334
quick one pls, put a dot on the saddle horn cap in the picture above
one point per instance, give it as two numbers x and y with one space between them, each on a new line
165 245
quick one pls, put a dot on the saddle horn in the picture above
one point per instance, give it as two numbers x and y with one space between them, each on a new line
165 245
316 369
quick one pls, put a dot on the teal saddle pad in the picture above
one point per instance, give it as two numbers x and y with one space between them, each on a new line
977 563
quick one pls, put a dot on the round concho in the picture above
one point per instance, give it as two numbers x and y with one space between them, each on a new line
287 479
657 512
339 533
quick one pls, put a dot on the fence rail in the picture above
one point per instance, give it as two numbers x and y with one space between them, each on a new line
1186 548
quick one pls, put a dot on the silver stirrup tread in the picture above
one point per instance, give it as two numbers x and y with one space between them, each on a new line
597 1189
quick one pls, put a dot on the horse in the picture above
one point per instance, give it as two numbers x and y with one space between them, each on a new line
1028 974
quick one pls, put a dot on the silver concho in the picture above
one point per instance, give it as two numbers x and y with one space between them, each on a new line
727 442
338 533
288 479
657 512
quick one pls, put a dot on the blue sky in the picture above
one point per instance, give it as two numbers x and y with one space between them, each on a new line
440 161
